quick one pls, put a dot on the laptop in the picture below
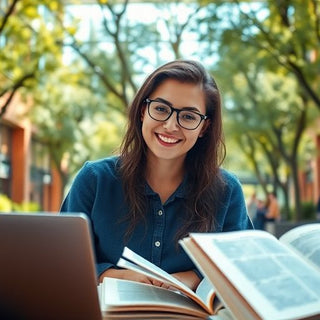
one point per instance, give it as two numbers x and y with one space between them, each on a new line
47 268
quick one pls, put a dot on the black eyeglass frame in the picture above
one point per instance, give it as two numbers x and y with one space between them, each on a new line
172 109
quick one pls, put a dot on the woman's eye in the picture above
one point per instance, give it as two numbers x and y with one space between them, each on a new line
188 116
162 109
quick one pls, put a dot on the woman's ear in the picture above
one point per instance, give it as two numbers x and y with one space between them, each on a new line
204 128
142 112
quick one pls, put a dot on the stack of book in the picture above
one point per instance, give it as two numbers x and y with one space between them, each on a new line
247 275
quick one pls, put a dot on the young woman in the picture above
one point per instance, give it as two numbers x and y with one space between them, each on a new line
167 180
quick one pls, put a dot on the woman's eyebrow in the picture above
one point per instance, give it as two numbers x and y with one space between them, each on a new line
163 100
191 109
171 105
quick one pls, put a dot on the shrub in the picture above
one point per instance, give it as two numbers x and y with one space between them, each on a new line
308 209
7 205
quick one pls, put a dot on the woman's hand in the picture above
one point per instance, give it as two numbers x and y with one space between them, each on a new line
131 275
189 278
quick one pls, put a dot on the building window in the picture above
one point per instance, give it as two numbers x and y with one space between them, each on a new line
40 173
5 159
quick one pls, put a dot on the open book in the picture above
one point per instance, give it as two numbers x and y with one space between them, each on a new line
260 277
124 298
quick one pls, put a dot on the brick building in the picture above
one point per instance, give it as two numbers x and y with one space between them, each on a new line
26 174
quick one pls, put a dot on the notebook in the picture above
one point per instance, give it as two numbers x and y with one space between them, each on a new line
47 268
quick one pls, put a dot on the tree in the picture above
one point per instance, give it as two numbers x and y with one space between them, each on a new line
120 68
73 123
289 32
176 26
27 45
113 69
267 114
270 42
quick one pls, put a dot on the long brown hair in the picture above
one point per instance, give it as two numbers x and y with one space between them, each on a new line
202 161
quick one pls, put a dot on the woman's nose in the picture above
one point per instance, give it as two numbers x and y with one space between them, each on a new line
172 123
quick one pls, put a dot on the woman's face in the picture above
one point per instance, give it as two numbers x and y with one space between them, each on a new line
168 140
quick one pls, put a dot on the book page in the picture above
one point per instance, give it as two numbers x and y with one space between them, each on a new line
277 283
141 265
223 314
224 290
305 239
206 292
124 295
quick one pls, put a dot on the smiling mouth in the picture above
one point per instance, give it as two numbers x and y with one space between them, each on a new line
167 139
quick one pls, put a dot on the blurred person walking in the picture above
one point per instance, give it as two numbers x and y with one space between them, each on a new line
260 215
273 213
252 206
273 208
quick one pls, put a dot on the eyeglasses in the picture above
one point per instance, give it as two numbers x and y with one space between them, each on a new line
162 111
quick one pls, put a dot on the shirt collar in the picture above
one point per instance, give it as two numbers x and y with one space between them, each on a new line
181 191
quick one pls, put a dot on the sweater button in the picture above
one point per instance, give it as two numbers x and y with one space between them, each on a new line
157 244
160 212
